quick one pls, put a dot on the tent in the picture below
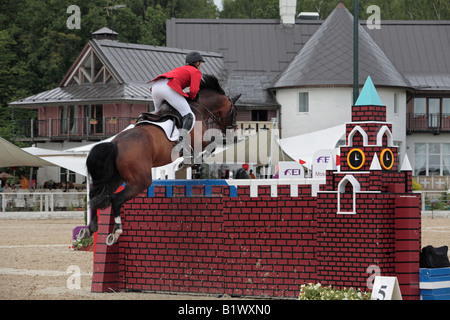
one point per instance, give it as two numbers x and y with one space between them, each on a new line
303 147
256 149
74 161
13 156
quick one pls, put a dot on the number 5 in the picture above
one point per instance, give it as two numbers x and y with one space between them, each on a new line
381 292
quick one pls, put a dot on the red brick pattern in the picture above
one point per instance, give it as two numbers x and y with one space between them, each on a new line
369 113
223 242
249 246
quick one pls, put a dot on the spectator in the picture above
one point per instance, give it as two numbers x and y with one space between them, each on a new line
24 182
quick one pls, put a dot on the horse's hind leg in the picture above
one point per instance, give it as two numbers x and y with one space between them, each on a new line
117 200
92 228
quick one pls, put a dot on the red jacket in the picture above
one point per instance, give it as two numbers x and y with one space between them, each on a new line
183 77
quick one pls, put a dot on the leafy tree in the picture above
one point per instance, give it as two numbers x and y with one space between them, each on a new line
250 9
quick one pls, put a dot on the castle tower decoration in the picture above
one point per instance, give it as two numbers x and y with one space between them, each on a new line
268 237
367 197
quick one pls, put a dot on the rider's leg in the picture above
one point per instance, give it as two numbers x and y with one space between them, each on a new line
159 92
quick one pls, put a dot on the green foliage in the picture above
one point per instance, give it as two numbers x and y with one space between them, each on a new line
416 186
318 292
79 244
37 48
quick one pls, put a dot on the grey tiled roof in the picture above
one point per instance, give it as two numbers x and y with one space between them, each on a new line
89 94
327 58
264 48
137 63
420 49
133 65
254 51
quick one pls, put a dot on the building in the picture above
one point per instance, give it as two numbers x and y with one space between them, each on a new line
103 92
303 72
299 71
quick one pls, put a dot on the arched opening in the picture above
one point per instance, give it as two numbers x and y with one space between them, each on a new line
347 189
358 137
384 137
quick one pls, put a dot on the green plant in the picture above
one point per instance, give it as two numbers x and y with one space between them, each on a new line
318 292
78 244
416 186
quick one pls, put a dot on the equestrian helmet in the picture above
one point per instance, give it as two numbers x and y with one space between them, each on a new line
193 57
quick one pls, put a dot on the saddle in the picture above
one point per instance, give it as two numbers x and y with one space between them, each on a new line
166 112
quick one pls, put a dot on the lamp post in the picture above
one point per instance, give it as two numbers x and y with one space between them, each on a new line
355 50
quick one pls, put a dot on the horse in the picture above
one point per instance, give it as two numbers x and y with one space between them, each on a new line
131 155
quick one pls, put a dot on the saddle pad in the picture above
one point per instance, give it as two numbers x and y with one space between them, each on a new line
168 127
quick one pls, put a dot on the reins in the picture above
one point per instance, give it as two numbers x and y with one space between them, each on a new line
217 120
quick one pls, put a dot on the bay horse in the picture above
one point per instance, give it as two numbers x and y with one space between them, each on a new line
132 154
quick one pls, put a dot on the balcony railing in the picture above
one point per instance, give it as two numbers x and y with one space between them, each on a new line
248 128
70 129
98 129
430 122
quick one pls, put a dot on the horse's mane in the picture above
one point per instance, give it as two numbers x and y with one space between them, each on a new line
210 82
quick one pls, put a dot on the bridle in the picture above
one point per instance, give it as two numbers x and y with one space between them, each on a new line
231 116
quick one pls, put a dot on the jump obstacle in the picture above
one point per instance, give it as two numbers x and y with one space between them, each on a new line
267 237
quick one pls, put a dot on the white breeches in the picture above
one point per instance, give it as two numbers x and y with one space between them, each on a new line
161 91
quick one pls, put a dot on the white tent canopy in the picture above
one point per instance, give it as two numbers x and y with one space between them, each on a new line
256 149
13 156
303 147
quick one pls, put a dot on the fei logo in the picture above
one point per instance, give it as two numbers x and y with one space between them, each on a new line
290 170
74 21
323 159
293 172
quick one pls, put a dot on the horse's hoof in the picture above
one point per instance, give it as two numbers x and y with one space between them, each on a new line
84 233
111 239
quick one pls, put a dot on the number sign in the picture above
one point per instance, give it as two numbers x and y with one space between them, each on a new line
386 288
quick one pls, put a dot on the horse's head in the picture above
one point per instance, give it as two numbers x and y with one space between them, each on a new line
217 106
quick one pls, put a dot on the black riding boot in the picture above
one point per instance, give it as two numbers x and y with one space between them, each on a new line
186 125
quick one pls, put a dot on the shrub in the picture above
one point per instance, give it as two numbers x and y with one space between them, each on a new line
318 292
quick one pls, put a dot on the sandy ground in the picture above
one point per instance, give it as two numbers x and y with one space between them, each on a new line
36 261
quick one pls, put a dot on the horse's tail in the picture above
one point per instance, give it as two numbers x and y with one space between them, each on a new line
101 165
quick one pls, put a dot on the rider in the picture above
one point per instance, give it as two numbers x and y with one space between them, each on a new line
169 87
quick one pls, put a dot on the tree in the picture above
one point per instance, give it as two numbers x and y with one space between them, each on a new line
250 9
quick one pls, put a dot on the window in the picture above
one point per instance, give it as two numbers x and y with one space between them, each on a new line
420 156
446 107
95 118
434 159
431 159
259 115
91 70
68 120
446 159
303 102
396 103
420 107
65 175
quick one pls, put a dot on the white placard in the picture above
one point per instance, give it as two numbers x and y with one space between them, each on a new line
322 160
290 170
386 288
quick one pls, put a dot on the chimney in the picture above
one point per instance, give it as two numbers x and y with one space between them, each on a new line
105 34
308 16
288 10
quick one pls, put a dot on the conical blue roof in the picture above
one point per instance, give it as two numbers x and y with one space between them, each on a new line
368 95
327 58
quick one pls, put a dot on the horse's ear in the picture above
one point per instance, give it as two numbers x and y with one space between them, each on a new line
235 98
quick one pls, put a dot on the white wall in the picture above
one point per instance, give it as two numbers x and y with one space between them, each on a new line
329 107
